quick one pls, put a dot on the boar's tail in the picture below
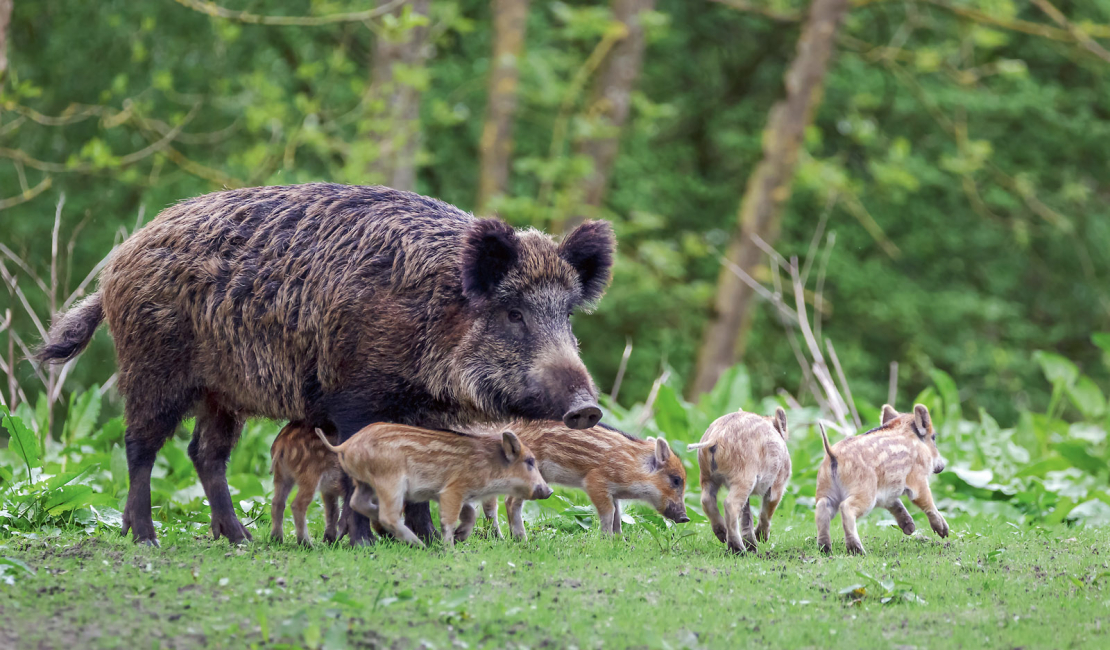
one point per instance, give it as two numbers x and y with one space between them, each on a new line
72 331
332 448
828 450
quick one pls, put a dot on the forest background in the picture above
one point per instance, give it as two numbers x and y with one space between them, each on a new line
941 167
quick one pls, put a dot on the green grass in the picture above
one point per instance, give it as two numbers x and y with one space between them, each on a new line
989 585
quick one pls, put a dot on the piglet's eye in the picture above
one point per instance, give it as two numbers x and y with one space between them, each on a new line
515 316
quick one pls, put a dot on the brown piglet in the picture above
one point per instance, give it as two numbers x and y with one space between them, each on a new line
747 454
876 469
609 465
392 463
299 458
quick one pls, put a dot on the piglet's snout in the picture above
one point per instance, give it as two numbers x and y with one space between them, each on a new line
938 464
676 512
541 491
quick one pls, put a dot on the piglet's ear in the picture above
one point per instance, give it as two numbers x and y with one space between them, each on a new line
490 250
589 249
888 414
922 423
780 423
510 445
662 451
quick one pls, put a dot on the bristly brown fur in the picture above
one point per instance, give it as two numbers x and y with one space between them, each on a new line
299 458
335 306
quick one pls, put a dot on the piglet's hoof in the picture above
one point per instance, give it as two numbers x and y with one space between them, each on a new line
719 531
825 548
908 527
855 548
736 548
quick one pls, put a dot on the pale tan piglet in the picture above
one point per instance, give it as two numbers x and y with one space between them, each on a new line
875 469
747 454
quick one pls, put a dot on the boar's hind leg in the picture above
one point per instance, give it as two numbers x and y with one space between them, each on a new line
216 432
147 430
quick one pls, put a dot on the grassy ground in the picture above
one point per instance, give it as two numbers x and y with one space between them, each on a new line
989 585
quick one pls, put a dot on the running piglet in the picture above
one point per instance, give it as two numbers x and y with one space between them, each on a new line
876 469
745 453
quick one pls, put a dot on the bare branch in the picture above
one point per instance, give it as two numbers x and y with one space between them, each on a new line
819 294
24 267
815 241
12 283
1078 34
216 11
892 388
620 369
843 383
27 194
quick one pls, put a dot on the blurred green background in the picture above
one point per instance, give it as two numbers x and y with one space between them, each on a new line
960 152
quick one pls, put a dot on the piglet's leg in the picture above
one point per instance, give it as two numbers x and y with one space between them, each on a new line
305 491
902 516
709 491
849 510
391 502
824 513
918 483
450 508
736 502
331 517
599 495
514 506
770 503
489 510
283 485
616 517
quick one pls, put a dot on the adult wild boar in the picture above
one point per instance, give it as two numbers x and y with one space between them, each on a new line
338 306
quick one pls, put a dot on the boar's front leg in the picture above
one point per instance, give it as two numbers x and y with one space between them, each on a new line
918 483
468 517
216 432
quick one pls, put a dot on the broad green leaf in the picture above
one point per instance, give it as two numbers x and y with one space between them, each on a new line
732 392
1056 368
68 498
17 563
948 392
84 409
1087 397
1053 463
670 415
22 441
1076 452
1102 340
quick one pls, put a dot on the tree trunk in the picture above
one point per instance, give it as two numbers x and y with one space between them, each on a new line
397 97
510 17
5 24
612 100
769 188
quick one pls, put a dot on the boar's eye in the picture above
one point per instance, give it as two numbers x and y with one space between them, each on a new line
515 316
676 481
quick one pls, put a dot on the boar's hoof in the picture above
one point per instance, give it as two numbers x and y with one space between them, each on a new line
330 538
277 538
582 417
233 530
148 542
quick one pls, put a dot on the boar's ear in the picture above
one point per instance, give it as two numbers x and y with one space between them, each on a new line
921 421
780 423
491 249
888 414
662 452
589 249
510 446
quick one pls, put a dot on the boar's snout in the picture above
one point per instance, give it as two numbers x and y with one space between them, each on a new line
541 491
676 512
582 415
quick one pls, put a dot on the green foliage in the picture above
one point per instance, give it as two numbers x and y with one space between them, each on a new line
973 149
